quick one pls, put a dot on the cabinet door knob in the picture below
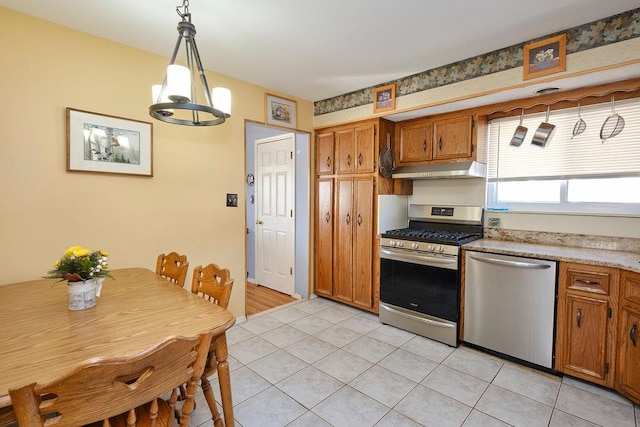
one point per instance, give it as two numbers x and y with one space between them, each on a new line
328 161
632 334
327 217
440 144
424 145
579 318
349 160
360 159
348 219
359 219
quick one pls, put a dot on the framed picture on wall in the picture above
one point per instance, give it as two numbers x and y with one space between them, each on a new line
384 98
545 57
281 112
108 144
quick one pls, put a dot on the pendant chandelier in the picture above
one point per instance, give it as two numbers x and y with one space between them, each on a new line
176 99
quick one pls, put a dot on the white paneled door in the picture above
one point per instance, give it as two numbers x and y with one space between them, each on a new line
275 218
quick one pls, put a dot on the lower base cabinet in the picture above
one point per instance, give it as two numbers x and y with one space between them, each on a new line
628 371
587 322
598 326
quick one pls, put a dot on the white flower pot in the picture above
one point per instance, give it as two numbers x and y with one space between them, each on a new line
82 294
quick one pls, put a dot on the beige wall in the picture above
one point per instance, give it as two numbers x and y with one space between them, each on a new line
44 209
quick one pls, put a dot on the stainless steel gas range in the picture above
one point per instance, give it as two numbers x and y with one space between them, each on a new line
420 270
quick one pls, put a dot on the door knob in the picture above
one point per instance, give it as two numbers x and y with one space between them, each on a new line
258 221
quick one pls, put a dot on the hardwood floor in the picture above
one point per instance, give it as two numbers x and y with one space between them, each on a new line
258 298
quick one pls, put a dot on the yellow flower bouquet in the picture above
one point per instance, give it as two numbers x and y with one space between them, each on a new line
80 264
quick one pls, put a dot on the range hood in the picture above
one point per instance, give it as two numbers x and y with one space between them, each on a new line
442 170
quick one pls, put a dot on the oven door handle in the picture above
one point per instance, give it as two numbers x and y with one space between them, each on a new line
417 259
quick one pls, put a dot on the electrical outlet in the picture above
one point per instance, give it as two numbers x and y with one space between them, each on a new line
232 200
494 222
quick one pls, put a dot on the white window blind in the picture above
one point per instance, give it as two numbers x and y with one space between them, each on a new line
584 156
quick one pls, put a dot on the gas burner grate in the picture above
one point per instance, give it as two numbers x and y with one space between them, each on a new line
432 235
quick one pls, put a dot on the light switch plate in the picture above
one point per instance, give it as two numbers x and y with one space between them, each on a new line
232 200
494 222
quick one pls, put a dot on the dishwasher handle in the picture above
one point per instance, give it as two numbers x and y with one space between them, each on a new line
519 264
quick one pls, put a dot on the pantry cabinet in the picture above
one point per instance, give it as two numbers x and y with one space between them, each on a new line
628 372
324 237
587 322
353 261
347 185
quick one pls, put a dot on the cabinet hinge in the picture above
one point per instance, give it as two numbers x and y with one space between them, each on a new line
606 368
291 270
609 312
375 131
291 153
291 213
374 182
473 123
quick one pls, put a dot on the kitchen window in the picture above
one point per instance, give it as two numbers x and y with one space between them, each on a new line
573 174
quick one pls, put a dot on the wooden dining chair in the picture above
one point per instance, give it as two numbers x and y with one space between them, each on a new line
214 284
123 391
173 267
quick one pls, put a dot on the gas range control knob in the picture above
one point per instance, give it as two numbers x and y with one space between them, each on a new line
392 242
441 249
400 244
432 247
415 245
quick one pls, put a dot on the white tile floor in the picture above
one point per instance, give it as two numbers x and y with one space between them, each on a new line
319 363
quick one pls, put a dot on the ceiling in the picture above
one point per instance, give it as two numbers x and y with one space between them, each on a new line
319 49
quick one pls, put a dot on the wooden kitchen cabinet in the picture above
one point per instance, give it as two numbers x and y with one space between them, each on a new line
436 139
353 261
628 369
324 237
452 138
324 153
414 142
355 149
343 261
587 322
363 232
347 185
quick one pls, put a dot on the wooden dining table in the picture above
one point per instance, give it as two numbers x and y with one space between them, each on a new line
41 339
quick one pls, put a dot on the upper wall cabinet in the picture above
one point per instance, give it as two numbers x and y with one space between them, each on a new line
355 149
346 150
414 141
437 139
452 138
324 153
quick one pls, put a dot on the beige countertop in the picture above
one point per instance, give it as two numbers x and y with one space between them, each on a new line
609 258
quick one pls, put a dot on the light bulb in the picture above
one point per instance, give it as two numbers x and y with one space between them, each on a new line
221 99
178 83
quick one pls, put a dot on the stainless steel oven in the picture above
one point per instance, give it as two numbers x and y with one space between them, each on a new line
420 270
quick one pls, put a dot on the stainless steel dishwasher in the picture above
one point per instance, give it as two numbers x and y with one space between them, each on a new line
509 305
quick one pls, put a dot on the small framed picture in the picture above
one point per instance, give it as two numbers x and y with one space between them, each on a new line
384 98
108 144
281 112
545 57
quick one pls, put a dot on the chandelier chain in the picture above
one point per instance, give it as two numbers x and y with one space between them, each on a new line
184 15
